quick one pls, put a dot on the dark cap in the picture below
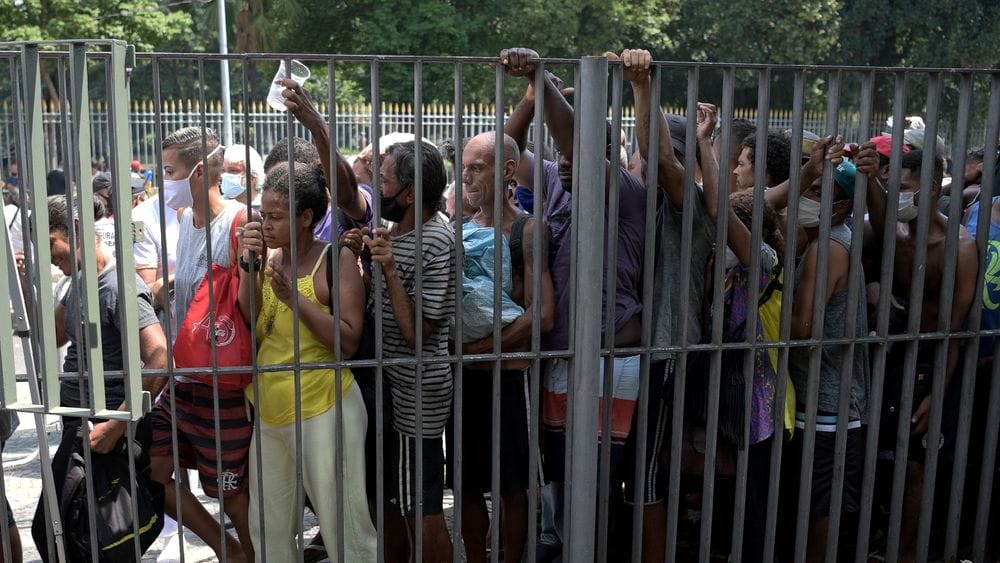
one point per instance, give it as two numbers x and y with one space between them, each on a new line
102 181
138 184
678 132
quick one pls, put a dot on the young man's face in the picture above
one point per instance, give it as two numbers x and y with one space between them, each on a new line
62 255
909 181
743 171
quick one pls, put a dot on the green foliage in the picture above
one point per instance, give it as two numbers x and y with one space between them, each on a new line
140 22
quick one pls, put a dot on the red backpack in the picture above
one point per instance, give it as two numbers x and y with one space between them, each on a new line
193 346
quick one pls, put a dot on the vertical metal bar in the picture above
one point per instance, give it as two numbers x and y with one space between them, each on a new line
211 299
968 372
260 547
118 99
819 310
335 306
296 337
458 553
787 293
539 232
752 313
378 282
855 277
611 244
167 312
878 350
33 164
499 198
588 237
927 186
913 329
993 419
715 366
418 299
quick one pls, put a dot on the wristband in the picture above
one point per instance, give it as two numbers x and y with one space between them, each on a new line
245 266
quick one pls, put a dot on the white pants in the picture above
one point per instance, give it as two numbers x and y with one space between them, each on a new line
319 474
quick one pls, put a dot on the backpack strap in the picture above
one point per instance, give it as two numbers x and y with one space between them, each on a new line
516 244
329 265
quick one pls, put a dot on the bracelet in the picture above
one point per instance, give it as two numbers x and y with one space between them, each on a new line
245 266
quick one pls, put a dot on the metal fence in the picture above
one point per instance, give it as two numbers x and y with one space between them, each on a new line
354 124
595 222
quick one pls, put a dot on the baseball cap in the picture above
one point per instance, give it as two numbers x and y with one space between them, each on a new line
138 184
844 175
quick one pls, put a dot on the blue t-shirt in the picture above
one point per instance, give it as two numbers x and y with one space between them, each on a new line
991 283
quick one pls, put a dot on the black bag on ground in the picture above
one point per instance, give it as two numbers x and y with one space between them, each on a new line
113 504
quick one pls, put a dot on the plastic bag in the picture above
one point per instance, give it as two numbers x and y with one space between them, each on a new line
478 284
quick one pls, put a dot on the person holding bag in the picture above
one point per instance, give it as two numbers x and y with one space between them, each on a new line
275 297
192 166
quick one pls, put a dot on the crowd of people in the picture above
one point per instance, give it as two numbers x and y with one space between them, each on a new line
273 219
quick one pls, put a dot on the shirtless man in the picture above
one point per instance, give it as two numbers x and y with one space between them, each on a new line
478 168
930 313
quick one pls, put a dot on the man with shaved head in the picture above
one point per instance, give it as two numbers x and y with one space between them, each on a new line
479 189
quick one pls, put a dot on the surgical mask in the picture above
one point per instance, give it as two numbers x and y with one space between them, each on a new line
177 193
907 208
391 209
808 212
232 185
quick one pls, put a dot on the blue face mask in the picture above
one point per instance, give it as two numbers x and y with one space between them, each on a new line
232 185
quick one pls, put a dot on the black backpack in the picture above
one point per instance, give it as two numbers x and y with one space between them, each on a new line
113 509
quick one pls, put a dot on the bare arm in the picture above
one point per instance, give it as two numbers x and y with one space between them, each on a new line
153 351
867 163
802 306
738 235
399 299
347 197
558 112
670 170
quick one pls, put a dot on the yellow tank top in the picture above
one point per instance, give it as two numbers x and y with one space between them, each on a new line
276 345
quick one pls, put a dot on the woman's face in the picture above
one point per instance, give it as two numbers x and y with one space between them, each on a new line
278 223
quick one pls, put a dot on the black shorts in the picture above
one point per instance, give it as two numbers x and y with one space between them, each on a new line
401 473
478 432
892 402
657 437
822 481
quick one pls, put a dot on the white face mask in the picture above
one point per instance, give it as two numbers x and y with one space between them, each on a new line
808 212
232 185
907 208
177 193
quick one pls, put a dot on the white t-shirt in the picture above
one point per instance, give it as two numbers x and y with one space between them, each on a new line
148 250
12 220
105 228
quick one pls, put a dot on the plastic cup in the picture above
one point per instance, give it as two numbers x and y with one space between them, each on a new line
300 73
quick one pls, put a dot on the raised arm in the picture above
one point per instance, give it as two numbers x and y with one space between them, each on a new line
519 61
670 170
866 160
347 197
738 235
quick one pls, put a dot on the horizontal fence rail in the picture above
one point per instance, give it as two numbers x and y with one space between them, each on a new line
570 352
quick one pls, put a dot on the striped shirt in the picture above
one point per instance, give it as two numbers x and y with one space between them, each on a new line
438 306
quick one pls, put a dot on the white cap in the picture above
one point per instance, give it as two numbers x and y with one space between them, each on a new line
238 153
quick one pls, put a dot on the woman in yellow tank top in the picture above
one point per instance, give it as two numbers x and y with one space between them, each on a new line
317 407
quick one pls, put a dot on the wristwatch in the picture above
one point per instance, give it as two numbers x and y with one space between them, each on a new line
245 266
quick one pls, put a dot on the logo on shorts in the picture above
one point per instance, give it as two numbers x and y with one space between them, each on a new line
225 329
230 481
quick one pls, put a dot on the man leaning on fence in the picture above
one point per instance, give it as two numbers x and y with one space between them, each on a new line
104 436
394 247
192 164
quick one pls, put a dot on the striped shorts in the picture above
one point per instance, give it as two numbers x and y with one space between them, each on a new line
196 437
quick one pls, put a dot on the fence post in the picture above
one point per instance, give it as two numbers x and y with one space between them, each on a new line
589 240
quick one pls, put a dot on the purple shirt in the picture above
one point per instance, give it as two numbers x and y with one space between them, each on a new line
322 229
631 245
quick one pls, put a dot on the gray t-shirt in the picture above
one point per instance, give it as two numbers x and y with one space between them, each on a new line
833 356
192 254
667 298
108 295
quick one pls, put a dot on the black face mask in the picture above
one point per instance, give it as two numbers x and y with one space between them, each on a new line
391 209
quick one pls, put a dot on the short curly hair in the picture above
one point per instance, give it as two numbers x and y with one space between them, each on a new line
742 203
779 154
